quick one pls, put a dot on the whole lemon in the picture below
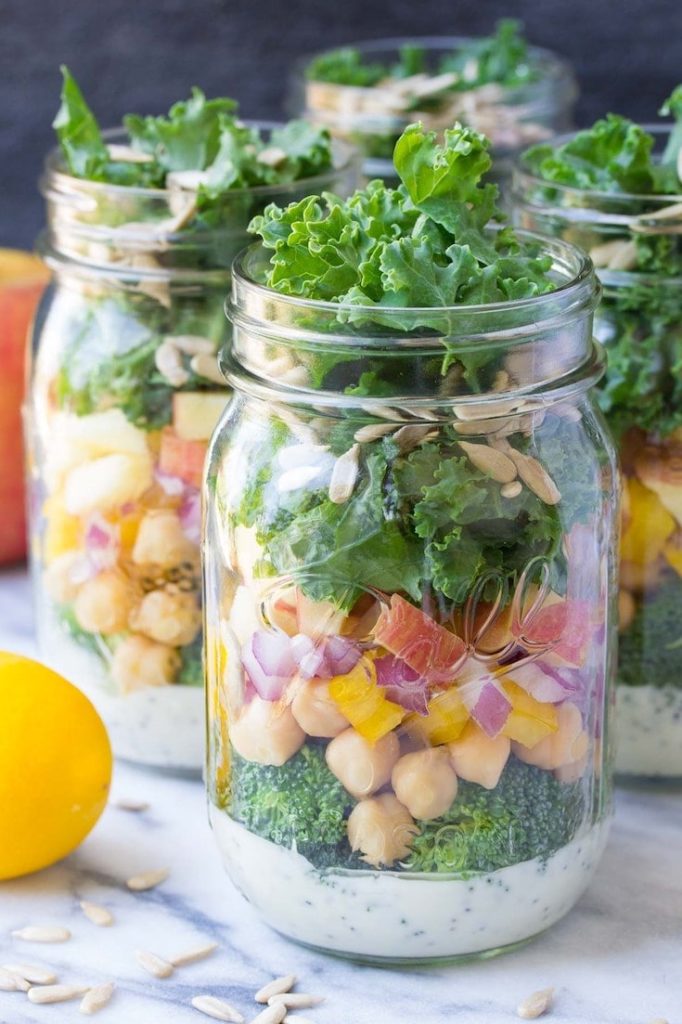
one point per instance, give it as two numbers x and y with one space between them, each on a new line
55 766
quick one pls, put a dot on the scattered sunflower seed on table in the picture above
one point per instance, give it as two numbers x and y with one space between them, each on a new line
147 880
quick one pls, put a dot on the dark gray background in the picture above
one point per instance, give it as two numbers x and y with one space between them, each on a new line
141 55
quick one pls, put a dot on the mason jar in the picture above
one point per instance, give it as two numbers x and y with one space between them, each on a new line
125 391
635 242
409 571
374 117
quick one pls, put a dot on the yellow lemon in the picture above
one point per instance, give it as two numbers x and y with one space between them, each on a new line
55 766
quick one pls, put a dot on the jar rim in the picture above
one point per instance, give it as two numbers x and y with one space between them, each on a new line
53 171
522 176
580 284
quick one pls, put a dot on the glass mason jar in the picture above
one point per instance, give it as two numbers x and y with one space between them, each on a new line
640 323
373 118
409 565
125 392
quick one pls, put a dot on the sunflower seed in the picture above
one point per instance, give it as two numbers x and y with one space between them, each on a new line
128 155
206 366
218 1009
344 475
36 975
56 993
168 361
536 1004
536 478
272 156
295 1000
153 964
383 412
97 997
511 490
658 1020
295 1018
275 987
490 461
471 428
147 880
295 479
192 344
190 956
373 431
127 804
410 436
97 914
12 981
272 1014
37 933
618 254
650 223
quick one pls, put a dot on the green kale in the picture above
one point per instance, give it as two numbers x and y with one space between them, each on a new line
650 649
420 246
197 134
69 626
301 805
503 58
529 814
344 67
614 155
671 155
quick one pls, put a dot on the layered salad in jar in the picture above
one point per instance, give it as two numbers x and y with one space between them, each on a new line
514 93
407 603
616 189
126 391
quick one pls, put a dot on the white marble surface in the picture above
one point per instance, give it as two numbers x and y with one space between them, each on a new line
615 960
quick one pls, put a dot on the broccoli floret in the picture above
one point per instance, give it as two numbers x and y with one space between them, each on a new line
529 814
650 649
299 805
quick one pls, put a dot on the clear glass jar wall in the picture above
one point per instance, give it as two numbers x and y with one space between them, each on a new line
409 571
372 118
640 323
125 393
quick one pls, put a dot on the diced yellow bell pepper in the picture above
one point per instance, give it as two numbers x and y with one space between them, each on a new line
128 527
445 721
529 721
648 526
364 703
62 531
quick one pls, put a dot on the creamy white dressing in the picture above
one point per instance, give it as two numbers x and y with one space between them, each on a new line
378 914
158 726
649 730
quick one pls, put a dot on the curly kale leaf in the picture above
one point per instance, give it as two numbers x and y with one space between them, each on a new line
468 530
502 58
420 246
642 387
344 66
336 550
670 158
529 814
300 805
614 155
187 138
191 671
650 649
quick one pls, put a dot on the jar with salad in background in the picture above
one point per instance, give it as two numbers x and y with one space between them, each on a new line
514 93
616 190
410 571
142 225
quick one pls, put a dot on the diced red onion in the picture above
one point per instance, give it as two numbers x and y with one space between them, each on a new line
269 662
540 682
190 515
491 710
172 485
307 654
402 684
101 543
340 655
327 657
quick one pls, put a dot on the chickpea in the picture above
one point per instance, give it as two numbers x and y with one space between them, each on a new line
103 603
573 771
477 757
170 618
626 609
139 662
425 782
381 829
568 744
266 732
58 578
359 766
160 541
316 712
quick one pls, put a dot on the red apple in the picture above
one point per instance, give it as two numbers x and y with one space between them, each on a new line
22 280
